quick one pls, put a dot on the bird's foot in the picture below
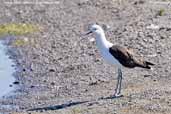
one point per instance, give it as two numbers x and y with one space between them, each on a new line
112 96
116 95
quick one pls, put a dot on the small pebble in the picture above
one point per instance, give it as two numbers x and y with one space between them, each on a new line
91 39
152 26
16 82
51 70
44 81
10 85
154 80
93 83
52 83
32 86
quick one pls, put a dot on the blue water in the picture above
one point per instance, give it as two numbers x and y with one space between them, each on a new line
6 71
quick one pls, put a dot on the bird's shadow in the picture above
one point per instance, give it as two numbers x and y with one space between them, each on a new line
65 105
57 107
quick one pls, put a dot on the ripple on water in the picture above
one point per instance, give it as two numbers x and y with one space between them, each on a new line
6 71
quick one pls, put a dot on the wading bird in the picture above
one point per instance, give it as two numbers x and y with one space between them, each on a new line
116 55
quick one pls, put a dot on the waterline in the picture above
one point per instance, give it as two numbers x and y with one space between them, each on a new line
6 71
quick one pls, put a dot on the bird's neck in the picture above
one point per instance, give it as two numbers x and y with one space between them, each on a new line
102 42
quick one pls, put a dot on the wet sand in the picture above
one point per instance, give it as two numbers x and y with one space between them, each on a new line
56 76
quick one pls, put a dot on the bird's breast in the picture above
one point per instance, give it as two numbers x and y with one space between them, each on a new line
109 58
103 46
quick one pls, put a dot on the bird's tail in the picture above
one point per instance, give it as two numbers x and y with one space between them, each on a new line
145 64
148 64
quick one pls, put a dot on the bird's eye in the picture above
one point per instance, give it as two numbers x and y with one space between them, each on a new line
95 29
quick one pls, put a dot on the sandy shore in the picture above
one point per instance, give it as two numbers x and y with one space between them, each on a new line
58 75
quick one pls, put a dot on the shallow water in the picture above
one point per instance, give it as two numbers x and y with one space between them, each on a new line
6 71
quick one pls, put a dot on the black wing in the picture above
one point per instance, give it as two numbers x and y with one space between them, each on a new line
126 58
123 56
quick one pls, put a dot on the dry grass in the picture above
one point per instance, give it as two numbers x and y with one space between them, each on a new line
17 29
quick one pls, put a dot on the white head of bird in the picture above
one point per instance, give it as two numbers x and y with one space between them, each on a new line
99 33
95 29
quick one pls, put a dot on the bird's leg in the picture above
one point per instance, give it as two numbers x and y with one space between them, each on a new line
120 80
119 83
